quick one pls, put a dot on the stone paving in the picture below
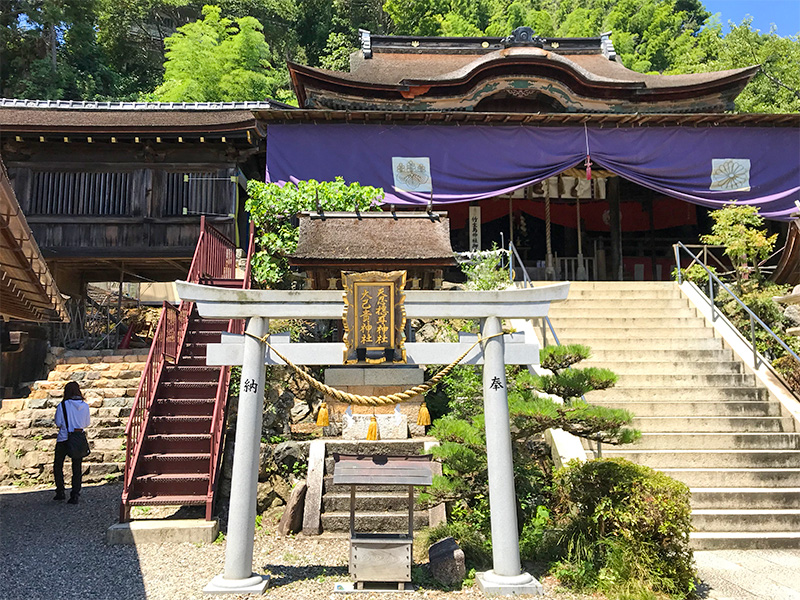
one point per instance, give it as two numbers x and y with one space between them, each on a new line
749 574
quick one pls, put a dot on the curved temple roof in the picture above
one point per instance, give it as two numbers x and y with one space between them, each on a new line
559 75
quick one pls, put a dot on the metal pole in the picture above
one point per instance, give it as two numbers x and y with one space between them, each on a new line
753 340
238 575
711 298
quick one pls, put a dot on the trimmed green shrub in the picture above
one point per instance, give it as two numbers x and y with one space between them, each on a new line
624 530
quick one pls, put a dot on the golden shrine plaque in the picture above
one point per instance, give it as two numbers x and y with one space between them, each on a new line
374 317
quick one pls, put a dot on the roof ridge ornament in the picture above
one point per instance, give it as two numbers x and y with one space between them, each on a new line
607 46
523 36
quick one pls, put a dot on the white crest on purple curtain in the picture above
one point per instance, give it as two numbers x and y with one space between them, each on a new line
730 174
412 174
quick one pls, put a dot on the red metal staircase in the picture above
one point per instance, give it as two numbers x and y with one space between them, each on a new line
177 425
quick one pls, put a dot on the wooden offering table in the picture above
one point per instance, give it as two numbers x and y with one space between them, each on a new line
381 557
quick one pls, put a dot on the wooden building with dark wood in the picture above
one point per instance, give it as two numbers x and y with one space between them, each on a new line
115 191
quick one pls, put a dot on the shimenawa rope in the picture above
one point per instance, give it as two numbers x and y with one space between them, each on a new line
372 400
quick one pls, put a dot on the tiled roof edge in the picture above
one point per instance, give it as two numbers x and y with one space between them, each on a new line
143 106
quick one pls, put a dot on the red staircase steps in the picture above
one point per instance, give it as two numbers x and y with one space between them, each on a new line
175 457
181 402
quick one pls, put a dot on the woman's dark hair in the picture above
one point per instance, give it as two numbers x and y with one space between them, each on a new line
72 390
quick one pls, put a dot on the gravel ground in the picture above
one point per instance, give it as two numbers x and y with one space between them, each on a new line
55 550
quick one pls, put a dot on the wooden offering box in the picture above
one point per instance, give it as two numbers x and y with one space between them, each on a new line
383 557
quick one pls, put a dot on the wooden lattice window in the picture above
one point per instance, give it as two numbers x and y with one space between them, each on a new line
191 193
80 193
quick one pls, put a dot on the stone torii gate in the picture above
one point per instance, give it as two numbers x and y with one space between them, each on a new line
258 306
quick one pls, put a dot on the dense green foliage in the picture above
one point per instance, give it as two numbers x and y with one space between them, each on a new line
624 530
273 209
116 49
217 60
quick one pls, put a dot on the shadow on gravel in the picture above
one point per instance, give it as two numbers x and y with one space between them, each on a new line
52 549
285 574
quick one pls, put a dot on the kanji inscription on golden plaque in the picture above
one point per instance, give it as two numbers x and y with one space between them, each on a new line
374 317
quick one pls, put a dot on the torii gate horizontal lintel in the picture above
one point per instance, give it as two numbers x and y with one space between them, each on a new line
222 303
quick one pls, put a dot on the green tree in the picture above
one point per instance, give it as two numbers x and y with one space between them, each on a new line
217 59
273 207
737 227
48 49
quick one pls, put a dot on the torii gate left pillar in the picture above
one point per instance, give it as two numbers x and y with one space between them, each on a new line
507 577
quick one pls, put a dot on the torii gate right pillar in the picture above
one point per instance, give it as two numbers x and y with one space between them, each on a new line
507 577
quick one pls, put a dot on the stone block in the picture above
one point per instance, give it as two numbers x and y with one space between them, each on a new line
155 531
114 359
12 405
447 562
390 427
116 402
94 401
394 376
292 519
76 360
101 366
75 376
344 376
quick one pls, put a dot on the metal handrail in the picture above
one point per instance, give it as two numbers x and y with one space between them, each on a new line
214 257
757 358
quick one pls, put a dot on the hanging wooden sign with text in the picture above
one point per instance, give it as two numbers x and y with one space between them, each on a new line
374 317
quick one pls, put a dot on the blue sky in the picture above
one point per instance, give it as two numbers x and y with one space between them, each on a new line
783 13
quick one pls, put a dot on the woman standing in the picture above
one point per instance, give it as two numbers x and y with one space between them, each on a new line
71 415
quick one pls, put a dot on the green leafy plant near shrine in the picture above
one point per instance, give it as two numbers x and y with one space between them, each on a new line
739 229
273 209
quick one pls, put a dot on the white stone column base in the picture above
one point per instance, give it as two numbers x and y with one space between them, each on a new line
493 584
255 584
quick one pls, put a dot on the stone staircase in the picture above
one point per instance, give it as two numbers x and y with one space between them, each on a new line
704 418
108 379
378 508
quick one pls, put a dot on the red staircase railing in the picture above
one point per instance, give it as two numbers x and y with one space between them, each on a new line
214 258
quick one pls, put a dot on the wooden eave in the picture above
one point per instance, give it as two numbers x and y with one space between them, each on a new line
383 117
60 122
27 288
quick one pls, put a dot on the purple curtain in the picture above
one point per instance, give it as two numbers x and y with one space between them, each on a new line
477 162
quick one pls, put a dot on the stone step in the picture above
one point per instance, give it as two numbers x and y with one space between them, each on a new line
566 317
615 285
617 304
662 409
373 502
639 343
686 379
756 520
730 477
587 335
591 320
368 522
742 540
661 367
746 498
342 490
604 356
715 458
718 441
708 424
676 394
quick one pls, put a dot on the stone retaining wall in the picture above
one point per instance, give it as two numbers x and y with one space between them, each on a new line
109 380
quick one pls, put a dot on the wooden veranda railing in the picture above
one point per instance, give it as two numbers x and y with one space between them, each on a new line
214 258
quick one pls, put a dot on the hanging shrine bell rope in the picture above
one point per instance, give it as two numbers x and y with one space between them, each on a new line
372 400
